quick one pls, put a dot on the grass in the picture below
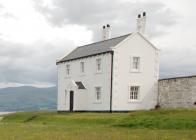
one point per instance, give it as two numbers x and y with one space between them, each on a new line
141 125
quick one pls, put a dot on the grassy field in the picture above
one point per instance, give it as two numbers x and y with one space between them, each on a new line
140 125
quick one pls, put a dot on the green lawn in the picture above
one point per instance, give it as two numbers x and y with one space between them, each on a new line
141 125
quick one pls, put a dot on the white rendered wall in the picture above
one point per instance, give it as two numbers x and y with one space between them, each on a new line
85 99
147 78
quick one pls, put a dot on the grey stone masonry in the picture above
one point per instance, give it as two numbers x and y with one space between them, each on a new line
179 92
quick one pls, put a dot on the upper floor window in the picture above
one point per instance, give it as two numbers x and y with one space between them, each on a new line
82 67
98 93
135 63
98 63
67 69
134 92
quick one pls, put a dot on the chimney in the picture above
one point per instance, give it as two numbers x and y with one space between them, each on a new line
141 23
106 33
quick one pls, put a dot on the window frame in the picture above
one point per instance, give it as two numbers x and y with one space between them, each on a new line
68 69
98 65
82 69
65 96
96 94
133 99
132 63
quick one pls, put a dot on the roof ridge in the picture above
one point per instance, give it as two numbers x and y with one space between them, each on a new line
104 40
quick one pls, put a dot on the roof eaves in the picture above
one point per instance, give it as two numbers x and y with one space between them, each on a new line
84 57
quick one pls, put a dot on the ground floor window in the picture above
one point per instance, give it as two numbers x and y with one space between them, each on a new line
134 92
65 96
98 93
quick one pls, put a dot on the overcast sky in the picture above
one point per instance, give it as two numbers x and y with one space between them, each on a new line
34 33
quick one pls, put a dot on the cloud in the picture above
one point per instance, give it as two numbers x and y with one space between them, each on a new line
178 62
4 13
29 46
21 64
34 33
120 14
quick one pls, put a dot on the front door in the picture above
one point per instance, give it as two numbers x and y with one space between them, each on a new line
71 101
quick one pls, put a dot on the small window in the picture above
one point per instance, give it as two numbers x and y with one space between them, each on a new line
82 67
98 93
98 63
67 69
136 63
134 92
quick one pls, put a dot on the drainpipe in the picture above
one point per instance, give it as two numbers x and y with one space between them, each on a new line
111 84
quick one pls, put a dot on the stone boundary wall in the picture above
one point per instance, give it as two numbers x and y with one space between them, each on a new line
178 92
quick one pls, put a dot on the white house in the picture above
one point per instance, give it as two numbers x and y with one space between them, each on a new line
117 74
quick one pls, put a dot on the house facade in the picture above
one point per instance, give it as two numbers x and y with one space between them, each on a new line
117 74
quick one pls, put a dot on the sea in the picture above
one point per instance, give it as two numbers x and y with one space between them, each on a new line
4 113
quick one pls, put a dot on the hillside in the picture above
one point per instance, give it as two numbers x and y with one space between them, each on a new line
27 98
140 125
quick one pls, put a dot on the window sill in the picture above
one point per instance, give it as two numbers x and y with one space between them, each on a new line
97 102
134 101
82 74
67 77
98 72
135 71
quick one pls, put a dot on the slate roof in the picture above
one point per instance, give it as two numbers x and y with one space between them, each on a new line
94 48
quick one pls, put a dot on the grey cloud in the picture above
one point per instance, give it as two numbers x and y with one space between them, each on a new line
121 15
4 13
28 64
178 62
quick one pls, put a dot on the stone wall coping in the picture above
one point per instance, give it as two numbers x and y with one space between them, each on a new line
180 77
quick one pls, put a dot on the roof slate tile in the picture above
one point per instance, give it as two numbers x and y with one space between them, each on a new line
94 48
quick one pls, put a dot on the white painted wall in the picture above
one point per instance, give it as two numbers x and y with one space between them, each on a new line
147 78
85 99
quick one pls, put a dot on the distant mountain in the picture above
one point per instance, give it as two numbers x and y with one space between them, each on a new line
27 98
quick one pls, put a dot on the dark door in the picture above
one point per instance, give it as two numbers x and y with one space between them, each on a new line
71 100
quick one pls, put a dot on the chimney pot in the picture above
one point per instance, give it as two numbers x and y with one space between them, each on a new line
144 14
